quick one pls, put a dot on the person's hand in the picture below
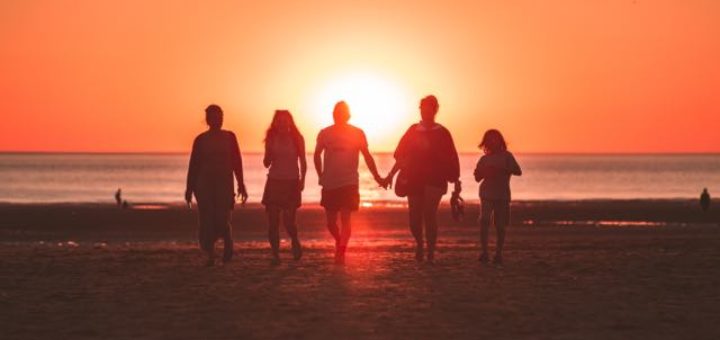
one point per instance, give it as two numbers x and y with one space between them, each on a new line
380 181
188 198
242 194
458 187
388 182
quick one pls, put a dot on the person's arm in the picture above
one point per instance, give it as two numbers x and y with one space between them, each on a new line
513 166
371 166
317 157
453 164
238 170
478 173
400 156
267 158
303 162
192 172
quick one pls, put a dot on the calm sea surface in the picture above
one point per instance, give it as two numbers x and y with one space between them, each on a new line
161 177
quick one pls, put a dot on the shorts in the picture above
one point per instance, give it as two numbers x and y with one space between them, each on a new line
342 198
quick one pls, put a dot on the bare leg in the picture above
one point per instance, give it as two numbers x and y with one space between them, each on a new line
226 217
291 228
345 233
205 231
332 224
273 214
415 208
432 201
502 217
485 215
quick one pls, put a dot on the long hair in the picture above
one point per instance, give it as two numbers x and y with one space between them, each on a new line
274 129
492 142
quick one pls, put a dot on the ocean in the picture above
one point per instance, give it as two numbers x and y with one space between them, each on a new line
160 178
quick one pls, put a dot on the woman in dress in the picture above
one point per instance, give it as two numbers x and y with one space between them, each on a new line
427 159
285 160
494 170
215 158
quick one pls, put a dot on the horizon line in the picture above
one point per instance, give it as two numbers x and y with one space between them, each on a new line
532 153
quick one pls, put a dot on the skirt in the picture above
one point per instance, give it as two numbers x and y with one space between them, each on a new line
282 193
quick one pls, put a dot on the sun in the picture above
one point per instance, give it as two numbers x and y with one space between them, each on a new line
378 105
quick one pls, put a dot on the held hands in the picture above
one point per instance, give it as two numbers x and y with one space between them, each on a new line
382 182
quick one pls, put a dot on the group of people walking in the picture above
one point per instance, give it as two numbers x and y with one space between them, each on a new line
426 160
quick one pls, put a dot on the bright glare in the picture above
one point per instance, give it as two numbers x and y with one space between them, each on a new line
379 106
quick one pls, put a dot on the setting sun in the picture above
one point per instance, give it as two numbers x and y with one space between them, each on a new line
379 105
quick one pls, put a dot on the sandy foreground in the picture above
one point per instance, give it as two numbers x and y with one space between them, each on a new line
590 270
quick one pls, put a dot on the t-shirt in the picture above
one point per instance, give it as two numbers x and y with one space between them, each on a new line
284 155
495 170
341 144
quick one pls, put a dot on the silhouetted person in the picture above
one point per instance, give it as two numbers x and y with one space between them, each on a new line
336 162
118 197
494 170
215 158
285 158
705 200
427 160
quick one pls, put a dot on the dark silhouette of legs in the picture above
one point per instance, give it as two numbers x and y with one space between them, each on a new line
291 228
502 217
332 226
485 218
430 207
273 214
206 237
228 244
345 233
415 212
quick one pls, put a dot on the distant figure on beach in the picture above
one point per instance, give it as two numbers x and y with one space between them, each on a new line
214 159
705 200
494 170
285 160
125 204
427 160
336 162
118 197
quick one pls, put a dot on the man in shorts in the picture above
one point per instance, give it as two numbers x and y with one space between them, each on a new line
336 162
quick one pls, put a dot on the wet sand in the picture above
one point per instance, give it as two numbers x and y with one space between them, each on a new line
595 269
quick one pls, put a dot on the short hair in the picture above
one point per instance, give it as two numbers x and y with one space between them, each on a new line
431 101
341 112
213 112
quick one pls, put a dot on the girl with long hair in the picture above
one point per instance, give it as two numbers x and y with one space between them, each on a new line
285 160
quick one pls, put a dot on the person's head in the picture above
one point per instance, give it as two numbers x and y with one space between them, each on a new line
214 116
429 107
492 142
341 113
283 122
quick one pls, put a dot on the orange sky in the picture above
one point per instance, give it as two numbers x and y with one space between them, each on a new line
554 76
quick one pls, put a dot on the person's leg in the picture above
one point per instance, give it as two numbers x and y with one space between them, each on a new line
502 218
273 215
415 208
485 215
332 226
345 232
206 239
228 243
430 208
291 228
